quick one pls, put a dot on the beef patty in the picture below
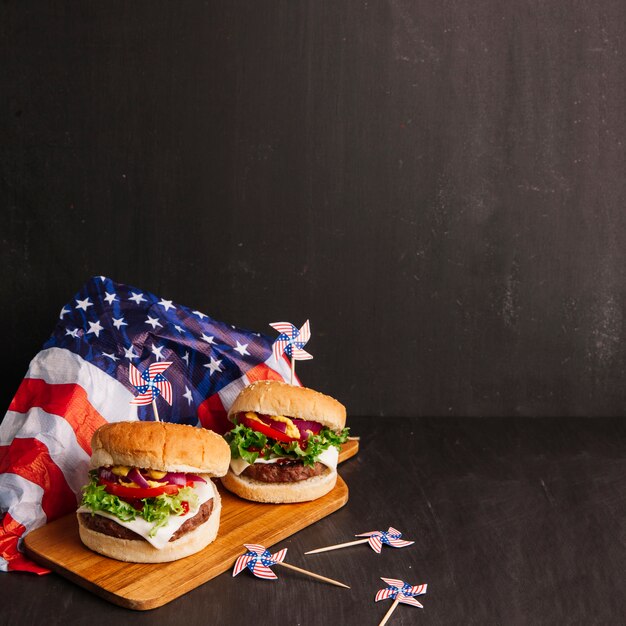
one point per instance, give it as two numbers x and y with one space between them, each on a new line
107 526
283 472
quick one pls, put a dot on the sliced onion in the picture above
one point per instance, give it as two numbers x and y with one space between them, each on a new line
276 425
137 478
307 425
196 478
107 474
175 478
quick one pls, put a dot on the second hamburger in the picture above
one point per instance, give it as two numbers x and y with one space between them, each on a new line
285 443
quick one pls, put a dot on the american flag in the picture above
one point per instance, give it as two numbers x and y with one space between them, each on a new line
258 560
80 380
403 591
389 537
291 341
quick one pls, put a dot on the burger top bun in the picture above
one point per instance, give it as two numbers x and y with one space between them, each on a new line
160 446
272 397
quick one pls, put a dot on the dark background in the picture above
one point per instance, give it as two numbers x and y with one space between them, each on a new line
438 186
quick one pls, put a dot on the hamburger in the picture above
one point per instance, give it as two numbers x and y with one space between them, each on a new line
150 498
284 444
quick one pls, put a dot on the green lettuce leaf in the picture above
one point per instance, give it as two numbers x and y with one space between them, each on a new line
241 439
97 499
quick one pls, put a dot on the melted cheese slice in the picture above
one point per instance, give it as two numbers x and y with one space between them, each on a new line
205 492
329 457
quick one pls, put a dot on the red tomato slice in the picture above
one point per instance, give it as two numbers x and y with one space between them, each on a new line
268 431
137 493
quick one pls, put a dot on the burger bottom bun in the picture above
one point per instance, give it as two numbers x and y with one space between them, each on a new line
280 493
141 551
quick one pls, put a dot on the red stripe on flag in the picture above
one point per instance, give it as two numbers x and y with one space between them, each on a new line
66 400
213 416
262 372
30 459
10 533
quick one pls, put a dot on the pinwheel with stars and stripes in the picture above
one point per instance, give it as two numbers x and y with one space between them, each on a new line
390 537
259 560
291 341
150 384
376 539
402 593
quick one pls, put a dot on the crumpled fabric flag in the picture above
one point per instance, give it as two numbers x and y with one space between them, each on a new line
80 380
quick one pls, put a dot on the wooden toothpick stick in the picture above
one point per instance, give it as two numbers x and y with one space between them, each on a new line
156 411
337 546
307 573
392 608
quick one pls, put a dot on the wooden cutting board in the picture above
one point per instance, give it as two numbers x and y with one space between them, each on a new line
147 586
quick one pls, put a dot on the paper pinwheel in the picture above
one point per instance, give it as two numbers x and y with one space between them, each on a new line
259 560
390 537
375 539
291 340
151 384
401 592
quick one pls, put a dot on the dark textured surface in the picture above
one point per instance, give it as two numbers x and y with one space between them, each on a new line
439 186
515 522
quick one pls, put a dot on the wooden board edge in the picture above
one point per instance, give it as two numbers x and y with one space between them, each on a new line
348 450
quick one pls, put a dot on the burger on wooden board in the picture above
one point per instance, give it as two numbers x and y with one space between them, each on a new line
150 498
285 443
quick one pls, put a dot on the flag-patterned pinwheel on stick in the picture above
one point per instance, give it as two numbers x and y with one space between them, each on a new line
401 592
259 560
151 384
391 537
375 538
291 341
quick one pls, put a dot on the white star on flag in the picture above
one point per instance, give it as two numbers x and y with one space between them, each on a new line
186 358
157 351
129 353
83 304
118 323
187 395
166 304
111 356
178 328
215 365
207 338
72 333
95 328
154 322
63 312
110 297
241 348
200 315
137 298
